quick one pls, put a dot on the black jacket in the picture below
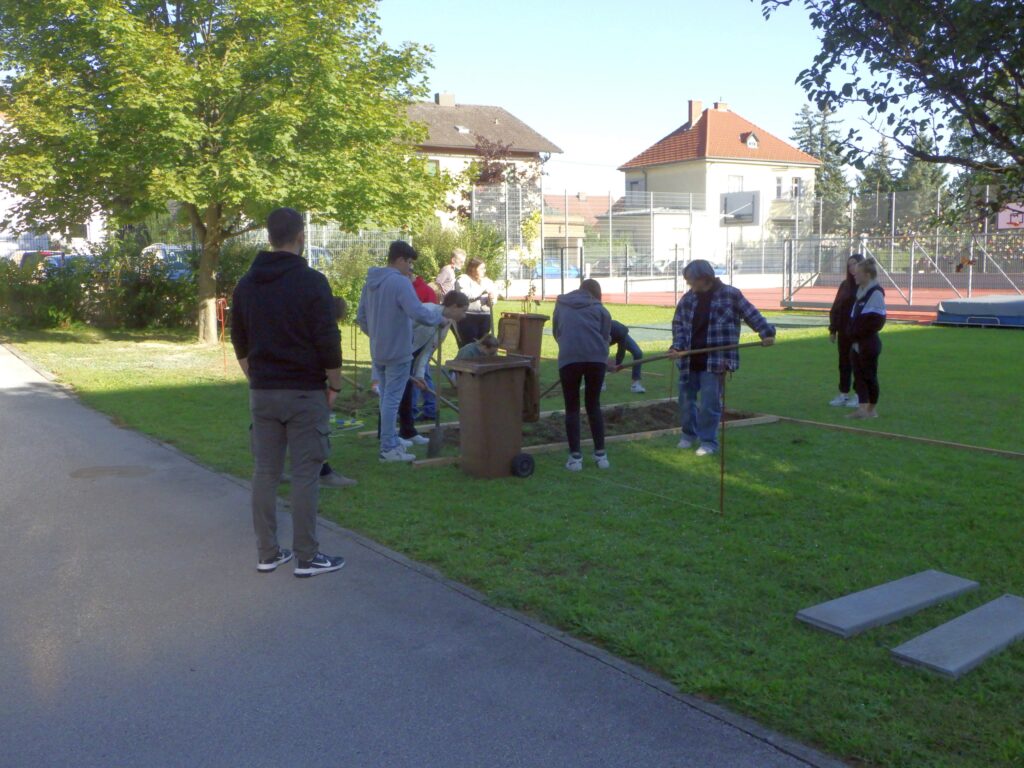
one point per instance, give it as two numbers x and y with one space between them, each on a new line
283 321
839 315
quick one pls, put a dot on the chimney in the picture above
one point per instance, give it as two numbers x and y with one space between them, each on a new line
694 112
444 99
721 106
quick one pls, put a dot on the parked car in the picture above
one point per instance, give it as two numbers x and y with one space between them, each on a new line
176 259
553 269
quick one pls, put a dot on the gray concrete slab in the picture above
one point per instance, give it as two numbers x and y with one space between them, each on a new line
858 612
958 646
135 631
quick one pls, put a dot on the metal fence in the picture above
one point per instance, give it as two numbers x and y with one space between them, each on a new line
917 271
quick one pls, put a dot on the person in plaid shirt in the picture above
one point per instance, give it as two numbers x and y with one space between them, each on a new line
708 315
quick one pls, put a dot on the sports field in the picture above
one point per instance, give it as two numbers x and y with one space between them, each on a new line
637 559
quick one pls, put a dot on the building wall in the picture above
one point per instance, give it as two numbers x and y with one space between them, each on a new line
711 237
454 163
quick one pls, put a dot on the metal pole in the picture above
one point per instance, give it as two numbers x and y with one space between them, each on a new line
892 229
561 266
984 255
582 264
675 279
852 211
611 260
689 233
910 289
938 212
565 225
506 231
650 249
970 270
543 285
625 281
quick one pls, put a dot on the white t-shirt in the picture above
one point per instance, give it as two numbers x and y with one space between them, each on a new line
474 290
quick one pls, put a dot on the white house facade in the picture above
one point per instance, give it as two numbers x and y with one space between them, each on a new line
750 184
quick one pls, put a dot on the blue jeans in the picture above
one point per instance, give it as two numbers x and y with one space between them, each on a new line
700 420
391 380
424 404
628 345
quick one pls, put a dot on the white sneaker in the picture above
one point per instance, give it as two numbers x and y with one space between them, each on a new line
686 442
839 399
637 388
404 442
575 463
706 450
396 454
602 460
852 401
419 439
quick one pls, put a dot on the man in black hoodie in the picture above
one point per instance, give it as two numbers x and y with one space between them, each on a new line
288 345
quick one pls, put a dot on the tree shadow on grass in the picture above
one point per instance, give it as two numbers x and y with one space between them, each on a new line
81 334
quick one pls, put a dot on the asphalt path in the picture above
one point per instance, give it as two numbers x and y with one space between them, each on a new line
135 631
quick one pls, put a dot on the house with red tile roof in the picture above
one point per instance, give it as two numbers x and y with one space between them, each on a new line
752 184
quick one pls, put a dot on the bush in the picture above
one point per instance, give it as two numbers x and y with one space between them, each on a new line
346 272
435 243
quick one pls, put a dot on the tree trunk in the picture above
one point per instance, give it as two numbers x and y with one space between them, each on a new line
207 284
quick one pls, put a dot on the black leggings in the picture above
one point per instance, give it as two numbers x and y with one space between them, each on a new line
845 362
592 375
865 370
473 327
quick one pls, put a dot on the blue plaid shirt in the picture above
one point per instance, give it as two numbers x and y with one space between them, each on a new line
728 308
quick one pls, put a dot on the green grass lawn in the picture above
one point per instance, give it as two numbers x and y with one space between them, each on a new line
638 559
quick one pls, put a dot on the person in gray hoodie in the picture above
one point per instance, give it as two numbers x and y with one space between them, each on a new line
582 327
388 306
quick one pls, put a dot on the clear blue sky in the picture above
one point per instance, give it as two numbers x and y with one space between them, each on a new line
605 80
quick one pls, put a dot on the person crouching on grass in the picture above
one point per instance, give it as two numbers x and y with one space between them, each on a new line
708 315
582 327
866 319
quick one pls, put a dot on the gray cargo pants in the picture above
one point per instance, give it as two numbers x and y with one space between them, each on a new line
296 421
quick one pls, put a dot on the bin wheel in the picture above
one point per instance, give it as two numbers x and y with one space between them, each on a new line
522 465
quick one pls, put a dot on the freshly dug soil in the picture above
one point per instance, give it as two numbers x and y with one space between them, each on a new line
618 420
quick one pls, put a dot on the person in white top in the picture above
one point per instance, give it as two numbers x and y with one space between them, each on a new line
446 277
482 294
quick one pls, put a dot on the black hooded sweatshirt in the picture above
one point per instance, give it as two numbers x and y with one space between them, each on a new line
283 321
839 314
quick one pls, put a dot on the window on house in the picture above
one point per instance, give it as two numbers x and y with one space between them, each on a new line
798 187
735 184
778 187
433 167
634 186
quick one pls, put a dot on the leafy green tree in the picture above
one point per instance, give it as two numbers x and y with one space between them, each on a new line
924 65
814 132
922 186
876 182
229 107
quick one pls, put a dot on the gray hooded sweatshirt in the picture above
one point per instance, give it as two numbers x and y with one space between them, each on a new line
582 327
388 306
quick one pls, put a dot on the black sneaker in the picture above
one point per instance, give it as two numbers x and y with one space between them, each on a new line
320 563
270 564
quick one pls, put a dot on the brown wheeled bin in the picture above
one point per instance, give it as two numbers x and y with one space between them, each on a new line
491 415
521 333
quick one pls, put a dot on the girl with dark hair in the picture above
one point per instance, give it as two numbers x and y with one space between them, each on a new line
838 331
482 294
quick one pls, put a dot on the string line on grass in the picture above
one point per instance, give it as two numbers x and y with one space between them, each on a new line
634 489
